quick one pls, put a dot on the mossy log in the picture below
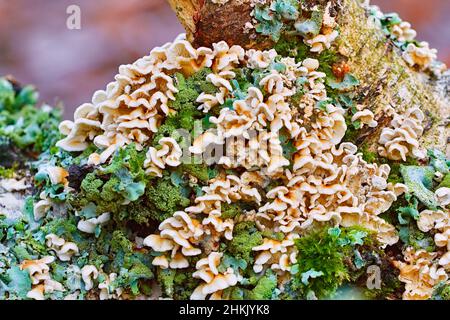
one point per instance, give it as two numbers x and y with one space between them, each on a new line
385 77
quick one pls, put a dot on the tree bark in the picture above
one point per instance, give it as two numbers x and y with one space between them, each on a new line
206 22
385 77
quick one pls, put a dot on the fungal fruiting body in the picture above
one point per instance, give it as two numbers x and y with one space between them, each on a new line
226 173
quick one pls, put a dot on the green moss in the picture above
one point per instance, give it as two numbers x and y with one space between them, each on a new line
265 287
119 241
139 271
244 79
166 279
91 184
197 82
103 195
287 144
190 88
368 156
230 210
31 127
185 285
152 200
129 178
326 60
291 46
183 119
445 183
320 251
187 116
108 192
21 252
133 276
200 171
167 129
166 198
63 227
7 95
107 188
278 236
82 156
233 293
445 294
395 175
245 237
7 173
176 284
185 104
138 211
352 133
442 292
390 288
186 95
391 215
135 267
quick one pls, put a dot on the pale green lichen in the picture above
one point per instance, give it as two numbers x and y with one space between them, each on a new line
25 125
273 18
419 181
265 287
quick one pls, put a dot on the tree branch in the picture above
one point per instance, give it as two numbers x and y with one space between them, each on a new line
385 77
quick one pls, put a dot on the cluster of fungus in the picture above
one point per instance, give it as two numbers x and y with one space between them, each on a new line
400 140
321 181
417 54
420 273
209 173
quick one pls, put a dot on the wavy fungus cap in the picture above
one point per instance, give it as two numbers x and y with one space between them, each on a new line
420 273
420 55
402 138
207 270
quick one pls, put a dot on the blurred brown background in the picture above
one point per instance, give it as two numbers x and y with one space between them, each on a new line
69 65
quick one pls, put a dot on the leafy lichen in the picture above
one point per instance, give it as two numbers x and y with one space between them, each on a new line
24 124
419 181
276 17
265 287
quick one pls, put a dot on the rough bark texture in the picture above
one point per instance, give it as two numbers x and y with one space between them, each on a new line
187 13
206 22
384 75
387 79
